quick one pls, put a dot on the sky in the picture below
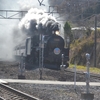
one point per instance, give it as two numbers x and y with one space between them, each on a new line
18 4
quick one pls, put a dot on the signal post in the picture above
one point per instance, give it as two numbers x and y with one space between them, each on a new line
87 95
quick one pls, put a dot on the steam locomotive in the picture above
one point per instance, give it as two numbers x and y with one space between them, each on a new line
43 47
49 48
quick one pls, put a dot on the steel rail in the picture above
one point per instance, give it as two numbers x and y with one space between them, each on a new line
17 93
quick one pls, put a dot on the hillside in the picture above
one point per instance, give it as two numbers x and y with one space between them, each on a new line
81 46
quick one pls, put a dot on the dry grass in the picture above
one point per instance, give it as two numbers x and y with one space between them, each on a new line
84 69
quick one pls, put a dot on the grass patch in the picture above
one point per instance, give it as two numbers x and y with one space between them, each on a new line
84 69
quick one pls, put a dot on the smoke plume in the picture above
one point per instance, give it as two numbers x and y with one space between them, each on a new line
36 21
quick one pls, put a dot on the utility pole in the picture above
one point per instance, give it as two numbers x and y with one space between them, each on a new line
95 42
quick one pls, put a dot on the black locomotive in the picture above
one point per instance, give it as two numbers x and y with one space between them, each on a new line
49 47
43 47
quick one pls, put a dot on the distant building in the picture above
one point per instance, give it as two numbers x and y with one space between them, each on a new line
78 32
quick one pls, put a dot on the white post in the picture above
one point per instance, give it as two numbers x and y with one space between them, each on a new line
22 65
62 66
21 68
87 73
75 76
87 95
40 56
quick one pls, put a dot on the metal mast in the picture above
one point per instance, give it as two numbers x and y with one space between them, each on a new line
41 53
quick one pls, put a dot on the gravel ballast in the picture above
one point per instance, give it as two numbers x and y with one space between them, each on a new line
47 92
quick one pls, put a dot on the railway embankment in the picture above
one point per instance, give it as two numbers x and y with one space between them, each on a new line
86 44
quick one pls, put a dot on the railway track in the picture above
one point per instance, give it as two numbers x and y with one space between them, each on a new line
9 93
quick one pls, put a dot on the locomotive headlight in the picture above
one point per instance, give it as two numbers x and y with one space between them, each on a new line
57 51
57 32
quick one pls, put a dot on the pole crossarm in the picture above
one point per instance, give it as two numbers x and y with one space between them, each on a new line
12 14
15 14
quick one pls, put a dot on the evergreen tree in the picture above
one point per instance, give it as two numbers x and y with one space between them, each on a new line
67 32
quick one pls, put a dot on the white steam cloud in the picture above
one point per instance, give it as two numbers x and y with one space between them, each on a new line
6 40
36 18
